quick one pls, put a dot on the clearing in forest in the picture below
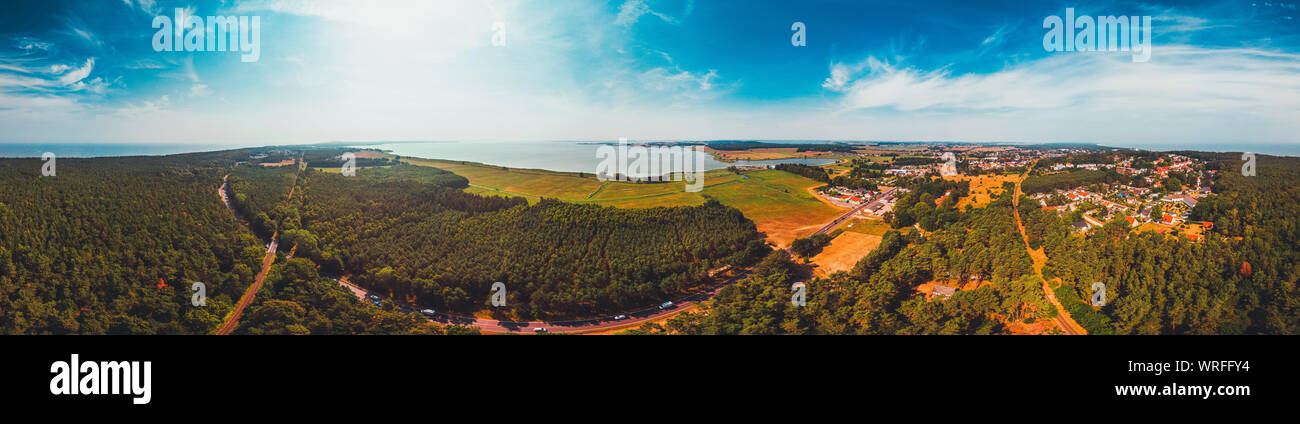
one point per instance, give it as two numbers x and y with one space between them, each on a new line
844 252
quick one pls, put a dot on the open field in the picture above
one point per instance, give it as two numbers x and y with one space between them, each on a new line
982 188
525 182
1159 228
844 252
868 226
778 202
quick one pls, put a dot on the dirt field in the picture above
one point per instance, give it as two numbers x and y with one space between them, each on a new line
982 188
870 226
844 252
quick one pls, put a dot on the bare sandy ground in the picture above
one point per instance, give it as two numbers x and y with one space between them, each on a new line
844 252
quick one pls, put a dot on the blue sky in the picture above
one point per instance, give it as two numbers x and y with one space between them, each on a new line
1220 72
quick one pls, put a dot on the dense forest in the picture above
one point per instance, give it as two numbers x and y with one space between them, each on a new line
259 194
1242 279
113 245
410 232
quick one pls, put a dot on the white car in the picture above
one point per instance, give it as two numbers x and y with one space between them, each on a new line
620 317
539 330
428 312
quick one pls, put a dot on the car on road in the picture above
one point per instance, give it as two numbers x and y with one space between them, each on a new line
539 330
428 312
620 317
666 305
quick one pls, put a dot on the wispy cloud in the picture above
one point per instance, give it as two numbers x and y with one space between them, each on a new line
631 11
1183 79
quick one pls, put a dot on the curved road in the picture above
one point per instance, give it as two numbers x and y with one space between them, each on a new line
562 326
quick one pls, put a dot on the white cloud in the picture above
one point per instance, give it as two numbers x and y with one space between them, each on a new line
77 74
200 90
146 6
1178 79
632 10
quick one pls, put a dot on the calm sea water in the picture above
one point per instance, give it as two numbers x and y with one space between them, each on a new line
90 150
549 155
1268 149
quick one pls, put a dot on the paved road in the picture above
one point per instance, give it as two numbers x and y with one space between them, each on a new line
562 326
850 213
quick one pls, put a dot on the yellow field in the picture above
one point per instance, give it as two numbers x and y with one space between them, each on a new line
982 188
869 226
520 182
844 252
778 202
754 154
